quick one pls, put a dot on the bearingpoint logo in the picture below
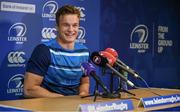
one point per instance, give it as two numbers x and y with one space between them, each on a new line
17 33
49 9
139 37
15 85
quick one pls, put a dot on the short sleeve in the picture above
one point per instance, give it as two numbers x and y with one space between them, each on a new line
39 60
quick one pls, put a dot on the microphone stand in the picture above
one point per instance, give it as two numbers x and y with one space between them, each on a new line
104 94
95 93
120 89
112 82
121 82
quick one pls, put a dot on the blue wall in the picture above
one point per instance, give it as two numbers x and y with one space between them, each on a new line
157 58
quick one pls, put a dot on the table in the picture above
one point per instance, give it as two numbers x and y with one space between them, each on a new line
71 103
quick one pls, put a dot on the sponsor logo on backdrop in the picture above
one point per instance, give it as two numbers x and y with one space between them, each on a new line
163 41
17 33
48 33
16 59
82 16
138 38
49 9
15 85
51 33
81 35
18 7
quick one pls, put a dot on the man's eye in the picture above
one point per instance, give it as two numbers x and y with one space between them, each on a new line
66 25
76 25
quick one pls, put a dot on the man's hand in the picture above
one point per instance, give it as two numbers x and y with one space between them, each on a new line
84 87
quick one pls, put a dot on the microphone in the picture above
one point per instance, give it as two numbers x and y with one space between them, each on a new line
121 64
89 69
101 61
115 54
111 59
123 83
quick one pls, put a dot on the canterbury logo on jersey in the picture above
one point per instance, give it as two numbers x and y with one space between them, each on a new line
69 54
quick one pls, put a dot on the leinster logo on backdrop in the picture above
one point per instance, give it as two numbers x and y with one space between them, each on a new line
15 85
81 35
49 9
138 38
17 33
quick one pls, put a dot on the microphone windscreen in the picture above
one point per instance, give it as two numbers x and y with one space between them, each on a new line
99 60
112 51
87 68
111 59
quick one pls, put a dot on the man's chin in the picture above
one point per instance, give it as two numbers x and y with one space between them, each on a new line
70 41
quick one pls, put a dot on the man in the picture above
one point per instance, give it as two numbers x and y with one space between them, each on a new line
54 68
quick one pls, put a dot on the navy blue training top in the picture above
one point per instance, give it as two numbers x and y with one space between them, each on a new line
61 68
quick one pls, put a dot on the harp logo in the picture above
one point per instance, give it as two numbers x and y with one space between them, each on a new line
81 35
15 85
49 9
17 33
138 38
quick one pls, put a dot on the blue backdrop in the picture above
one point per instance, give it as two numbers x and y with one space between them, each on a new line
144 33
24 24
146 36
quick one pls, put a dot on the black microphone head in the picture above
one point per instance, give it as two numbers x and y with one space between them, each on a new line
99 60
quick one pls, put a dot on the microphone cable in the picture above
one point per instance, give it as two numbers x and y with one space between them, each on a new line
136 87
148 87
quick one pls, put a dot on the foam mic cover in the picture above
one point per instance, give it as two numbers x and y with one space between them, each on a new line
115 54
112 51
99 60
111 59
87 68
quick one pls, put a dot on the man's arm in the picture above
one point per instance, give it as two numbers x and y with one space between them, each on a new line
84 87
33 89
